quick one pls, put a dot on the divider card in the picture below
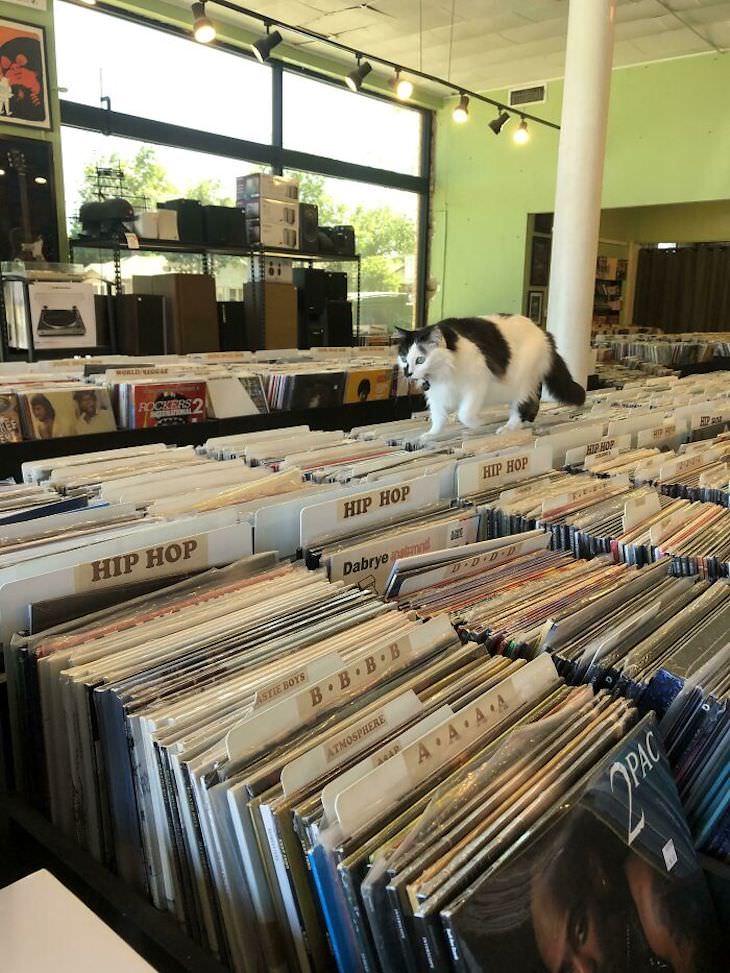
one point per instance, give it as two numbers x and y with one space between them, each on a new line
568 436
373 794
595 489
718 414
687 462
600 449
374 760
293 680
369 564
385 657
367 508
473 476
209 540
632 424
665 431
486 553
639 509
349 741
276 519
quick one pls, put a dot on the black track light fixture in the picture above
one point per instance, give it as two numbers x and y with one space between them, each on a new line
203 29
356 77
498 123
263 47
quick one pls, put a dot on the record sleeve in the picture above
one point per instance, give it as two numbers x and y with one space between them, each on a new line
608 878
167 404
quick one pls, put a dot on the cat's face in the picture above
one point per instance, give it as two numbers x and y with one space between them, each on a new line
415 350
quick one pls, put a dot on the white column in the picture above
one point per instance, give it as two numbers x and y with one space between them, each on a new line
588 59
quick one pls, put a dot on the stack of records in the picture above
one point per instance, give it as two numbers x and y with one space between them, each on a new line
699 472
696 731
565 848
25 502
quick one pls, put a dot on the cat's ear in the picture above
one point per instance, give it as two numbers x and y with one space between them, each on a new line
403 332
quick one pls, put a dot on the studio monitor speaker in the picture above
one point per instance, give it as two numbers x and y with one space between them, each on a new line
309 227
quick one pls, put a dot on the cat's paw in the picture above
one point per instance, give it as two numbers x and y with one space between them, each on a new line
511 426
430 436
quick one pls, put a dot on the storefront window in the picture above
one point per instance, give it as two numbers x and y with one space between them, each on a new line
153 74
386 234
326 120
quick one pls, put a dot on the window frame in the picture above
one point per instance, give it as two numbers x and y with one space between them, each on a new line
106 121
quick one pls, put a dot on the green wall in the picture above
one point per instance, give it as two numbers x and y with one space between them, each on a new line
674 222
668 142
13 11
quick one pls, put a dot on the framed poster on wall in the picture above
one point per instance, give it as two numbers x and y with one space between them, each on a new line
28 223
23 75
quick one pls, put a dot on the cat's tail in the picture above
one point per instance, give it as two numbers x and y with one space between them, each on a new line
560 383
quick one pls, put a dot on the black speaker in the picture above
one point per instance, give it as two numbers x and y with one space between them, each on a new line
139 320
190 226
324 240
337 239
224 226
339 324
308 227
232 326
336 286
312 289
343 238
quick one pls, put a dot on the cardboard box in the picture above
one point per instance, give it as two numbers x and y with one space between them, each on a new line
272 211
272 235
258 184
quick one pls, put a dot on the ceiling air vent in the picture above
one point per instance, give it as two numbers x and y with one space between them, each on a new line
534 95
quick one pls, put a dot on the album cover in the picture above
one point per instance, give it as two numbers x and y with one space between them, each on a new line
10 430
53 414
254 388
62 315
368 385
166 404
608 879
314 390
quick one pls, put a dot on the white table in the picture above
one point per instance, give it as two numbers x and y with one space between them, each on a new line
45 927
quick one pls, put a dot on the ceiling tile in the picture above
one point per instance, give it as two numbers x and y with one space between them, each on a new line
495 42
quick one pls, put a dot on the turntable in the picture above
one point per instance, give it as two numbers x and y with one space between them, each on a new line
60 322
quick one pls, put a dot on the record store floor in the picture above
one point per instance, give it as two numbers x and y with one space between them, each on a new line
21 855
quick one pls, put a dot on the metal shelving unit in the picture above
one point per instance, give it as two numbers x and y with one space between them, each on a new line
206 252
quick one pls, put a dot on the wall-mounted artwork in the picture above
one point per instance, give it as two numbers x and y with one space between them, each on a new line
23 75
28 224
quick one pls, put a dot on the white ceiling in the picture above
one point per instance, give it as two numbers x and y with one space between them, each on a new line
496 43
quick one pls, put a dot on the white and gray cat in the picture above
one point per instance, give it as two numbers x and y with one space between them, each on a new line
467 364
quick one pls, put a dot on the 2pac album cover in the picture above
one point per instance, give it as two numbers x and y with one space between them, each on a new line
608 881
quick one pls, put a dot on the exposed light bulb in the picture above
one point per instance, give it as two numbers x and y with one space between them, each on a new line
402 86
2 172
203 29
460 114
41 180
521 134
